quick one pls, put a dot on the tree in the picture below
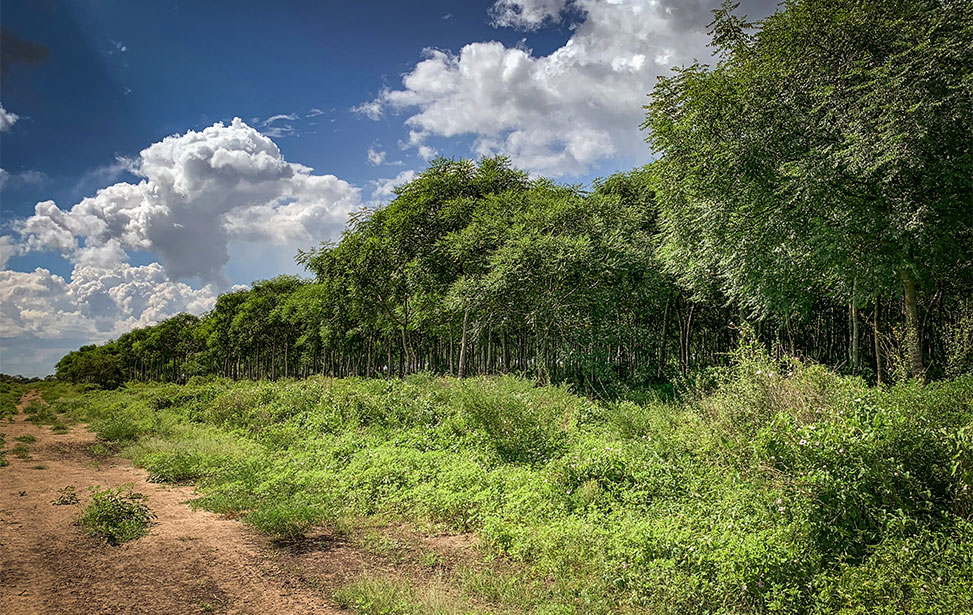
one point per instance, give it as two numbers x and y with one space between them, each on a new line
828 151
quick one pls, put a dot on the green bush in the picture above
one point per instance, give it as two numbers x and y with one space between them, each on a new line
525 424
116 515
781 487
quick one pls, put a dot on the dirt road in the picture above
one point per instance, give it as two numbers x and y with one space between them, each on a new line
190 562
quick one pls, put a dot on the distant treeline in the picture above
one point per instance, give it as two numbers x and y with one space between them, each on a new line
477 269
18 379
815 185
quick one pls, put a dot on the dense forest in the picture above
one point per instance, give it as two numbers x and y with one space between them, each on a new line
814 185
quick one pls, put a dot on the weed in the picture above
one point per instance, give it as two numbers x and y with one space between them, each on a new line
395 597
776 487
41 413
377 542
21 452
66 497
28 439
102 449
430 559
116 515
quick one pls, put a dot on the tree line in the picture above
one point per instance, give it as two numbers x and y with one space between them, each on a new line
815 185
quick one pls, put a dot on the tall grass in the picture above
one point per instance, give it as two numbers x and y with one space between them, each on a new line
785 488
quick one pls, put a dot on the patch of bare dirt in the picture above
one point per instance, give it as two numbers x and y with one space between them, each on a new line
190 562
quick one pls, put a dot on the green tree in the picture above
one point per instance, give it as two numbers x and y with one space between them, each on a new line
828 153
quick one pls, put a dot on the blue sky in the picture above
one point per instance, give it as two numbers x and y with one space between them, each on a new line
130 193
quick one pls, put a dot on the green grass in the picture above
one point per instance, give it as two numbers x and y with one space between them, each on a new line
781 488
116 516
397 597
28 439
10 394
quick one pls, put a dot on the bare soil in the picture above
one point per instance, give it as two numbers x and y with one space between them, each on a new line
190 562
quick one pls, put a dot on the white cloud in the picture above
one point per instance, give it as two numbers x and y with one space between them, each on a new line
526 14
43 316
559 113
426 152
376 156
8 248
281 116
198 191
7 119
383 189
372 109
29 178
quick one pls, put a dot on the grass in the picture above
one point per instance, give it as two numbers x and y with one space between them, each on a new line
779 488
379 596
27 439
115 516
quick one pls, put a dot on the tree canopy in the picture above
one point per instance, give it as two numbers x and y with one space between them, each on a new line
815 182
828 153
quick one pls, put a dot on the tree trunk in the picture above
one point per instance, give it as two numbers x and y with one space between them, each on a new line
878 346
913 347
461 371
855 347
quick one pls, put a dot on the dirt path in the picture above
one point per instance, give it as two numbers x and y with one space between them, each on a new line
191 561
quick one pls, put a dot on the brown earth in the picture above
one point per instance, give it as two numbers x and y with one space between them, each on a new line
190 562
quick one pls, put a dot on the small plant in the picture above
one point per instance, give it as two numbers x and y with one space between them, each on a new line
28 439
102 449
40 413
60 428
116 515
66 497
430 559
21 452
39 466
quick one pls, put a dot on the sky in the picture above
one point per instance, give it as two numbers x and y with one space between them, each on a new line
156 154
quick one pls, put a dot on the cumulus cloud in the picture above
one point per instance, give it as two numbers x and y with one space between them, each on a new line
97 302
427 152
198 191
7 119
560 113
43 316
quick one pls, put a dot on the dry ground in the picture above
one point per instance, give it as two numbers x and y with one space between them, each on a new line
190 562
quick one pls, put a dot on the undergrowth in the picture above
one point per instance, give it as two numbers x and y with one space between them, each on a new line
116 515
782 489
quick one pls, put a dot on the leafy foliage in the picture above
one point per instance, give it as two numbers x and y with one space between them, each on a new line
783 487
116 515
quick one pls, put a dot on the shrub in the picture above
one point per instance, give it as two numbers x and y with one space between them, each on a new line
524 424
116 515
287 519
